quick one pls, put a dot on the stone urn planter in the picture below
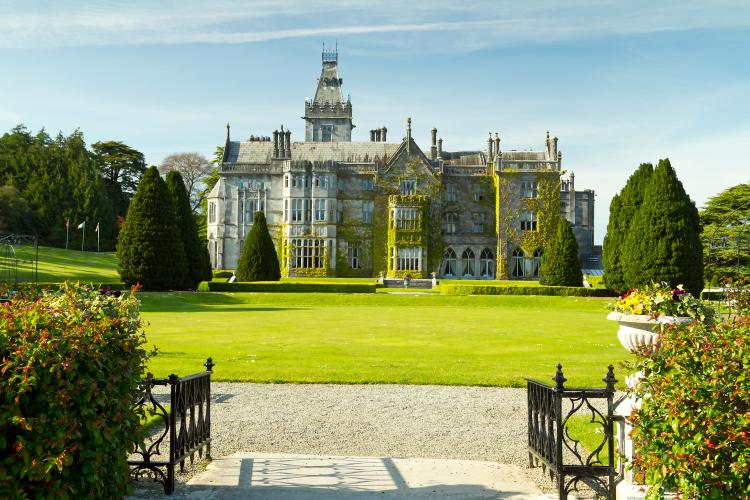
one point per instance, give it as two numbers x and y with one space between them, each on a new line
639 331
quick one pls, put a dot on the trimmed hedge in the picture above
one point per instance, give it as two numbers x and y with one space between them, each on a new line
281 287
71 365
561 291
222 273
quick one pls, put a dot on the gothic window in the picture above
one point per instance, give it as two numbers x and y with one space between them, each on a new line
516 264
449 262
451 193
536 263
486 263
407 218
529 189
320 210
408 187
367 208
212 212
297 209
286 210
352 254
368 184
477 191
308 253
251 206
528 221
326 133
451 222
478 220
408 259
467 262
286 181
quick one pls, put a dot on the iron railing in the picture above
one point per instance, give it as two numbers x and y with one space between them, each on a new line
187 424
551 445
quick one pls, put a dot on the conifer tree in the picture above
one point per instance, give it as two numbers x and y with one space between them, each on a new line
663 243
196 265
560 265
149 248
258 261
622 209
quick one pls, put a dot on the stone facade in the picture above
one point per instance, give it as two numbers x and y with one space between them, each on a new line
341 208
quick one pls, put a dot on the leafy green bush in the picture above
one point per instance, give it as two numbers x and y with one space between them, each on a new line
692 432
281 287
71 364
222 273
561 291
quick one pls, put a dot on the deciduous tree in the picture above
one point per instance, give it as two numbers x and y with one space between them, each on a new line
193 168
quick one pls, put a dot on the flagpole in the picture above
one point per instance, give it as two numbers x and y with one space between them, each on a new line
97 237
67 232
83 235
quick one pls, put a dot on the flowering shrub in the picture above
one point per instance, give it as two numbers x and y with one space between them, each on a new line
659 299
71 363
692 432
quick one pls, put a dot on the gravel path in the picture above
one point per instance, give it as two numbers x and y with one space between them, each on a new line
471 423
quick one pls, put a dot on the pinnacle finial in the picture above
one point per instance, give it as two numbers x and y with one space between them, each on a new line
408 123
559 378
610 379
227 130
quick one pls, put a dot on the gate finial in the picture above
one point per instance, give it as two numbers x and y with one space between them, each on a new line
559 378
610 379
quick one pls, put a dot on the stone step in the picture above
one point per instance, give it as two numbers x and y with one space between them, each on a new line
414 283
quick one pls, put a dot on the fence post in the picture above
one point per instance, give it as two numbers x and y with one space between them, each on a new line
610 380
559 380
209 368
173 383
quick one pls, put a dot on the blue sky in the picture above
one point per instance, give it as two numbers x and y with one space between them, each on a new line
619 83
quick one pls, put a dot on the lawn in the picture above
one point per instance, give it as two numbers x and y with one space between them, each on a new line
405 339
58 264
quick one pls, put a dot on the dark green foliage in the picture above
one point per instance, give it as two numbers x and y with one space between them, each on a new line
198 269
121 167
622 209
663 243
281 287
58 179
726 224
15 214
222 273
258 261
72 362
560 265
149 249
559 291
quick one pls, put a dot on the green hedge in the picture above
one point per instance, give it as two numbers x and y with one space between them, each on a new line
222 273
563 291
281 287
72 361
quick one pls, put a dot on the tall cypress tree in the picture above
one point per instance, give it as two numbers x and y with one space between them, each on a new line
663 243
149 248
196 265
258 261
560 265
622 209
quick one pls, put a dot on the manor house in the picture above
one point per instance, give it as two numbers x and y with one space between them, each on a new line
336 207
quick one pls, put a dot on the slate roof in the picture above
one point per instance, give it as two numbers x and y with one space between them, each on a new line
346 152
525 156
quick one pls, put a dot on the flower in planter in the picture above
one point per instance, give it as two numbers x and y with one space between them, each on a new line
659 299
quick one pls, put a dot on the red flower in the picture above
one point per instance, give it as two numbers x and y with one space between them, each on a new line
710 444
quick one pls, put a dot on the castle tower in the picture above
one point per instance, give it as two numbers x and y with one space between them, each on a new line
328 117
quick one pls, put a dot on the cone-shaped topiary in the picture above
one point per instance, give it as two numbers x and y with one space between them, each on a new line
621 212
149 248
194 253
560 266
663 243
258 261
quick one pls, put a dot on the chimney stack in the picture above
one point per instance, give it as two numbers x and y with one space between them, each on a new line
497 144
372 135
385 131
288 143
275 143
440 148
433 144
408 129
554 148
378 134
489 146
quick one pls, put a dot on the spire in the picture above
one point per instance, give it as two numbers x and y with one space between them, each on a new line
227 131
328 115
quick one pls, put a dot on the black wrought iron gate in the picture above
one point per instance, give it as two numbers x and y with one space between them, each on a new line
551 445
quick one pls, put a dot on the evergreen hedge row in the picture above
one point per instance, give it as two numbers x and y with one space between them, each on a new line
72 362
222 273
281 287
560 291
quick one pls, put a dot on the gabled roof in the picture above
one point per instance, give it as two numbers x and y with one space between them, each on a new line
525 155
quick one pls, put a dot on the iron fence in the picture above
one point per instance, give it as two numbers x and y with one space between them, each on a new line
551 445
187 426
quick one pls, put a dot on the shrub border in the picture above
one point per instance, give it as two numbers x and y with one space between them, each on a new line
560 291
281 287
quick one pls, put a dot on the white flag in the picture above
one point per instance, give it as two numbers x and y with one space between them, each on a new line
97 227
82 225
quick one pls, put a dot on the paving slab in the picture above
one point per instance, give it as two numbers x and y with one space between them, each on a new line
311 477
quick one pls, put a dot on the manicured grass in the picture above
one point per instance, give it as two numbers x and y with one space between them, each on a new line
378 338
57 265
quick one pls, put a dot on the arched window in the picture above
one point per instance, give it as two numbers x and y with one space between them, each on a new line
487 263
467 263
516 264
537 262
449 262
